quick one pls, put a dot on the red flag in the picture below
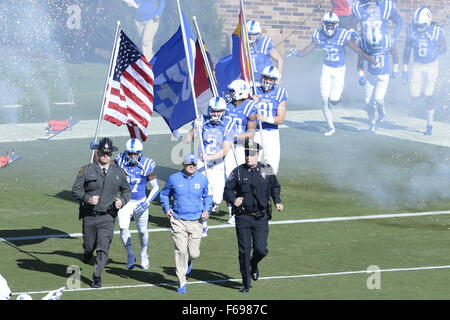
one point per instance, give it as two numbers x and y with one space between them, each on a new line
240 48
131 98
202 83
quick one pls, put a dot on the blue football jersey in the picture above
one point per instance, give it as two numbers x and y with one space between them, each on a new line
136 174
214 134
375 17
333 48
268 104
260 57
425 44
380 55
237 117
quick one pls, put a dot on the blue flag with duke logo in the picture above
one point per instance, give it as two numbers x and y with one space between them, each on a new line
171 88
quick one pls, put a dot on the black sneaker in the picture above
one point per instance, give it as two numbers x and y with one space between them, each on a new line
244 289
96 282
254 273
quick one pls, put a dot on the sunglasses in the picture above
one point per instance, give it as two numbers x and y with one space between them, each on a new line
105 153
191 164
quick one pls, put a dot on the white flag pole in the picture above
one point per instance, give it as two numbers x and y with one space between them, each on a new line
191 80
108 82
252 75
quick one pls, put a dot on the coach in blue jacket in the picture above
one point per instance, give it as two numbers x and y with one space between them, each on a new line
191 204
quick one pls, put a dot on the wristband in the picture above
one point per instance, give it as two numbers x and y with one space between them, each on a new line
270 120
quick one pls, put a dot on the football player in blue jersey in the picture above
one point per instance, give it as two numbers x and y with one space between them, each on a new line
140 171
426 39
380 47
262 50
216 144
271 108
332 40
241 123
376 14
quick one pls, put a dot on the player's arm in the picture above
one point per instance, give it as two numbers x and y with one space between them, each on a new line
398 23
394 54
360 53
191 134
275 55
251 128
153 180
219 154
360 66
442 44
279 118
307 50
406 58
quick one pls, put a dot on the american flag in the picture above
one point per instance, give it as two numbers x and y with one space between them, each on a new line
131 97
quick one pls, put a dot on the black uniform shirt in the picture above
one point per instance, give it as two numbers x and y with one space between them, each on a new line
252 184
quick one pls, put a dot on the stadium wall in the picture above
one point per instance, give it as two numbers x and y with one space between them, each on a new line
290 23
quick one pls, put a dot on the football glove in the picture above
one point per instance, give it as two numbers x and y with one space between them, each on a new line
94 145
291 52
141 207
362 81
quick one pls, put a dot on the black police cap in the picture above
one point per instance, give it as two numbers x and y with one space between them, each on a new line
252 146
106 145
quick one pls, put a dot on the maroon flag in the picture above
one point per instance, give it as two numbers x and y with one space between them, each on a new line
131 97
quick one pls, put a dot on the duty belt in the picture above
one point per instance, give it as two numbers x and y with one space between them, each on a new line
96 213
257 215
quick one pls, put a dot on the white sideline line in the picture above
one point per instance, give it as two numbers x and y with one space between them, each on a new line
221 226
238 280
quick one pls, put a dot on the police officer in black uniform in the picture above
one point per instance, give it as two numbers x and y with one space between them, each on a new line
102 189
249 188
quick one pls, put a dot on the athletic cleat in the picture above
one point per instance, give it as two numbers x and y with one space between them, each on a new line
205 232
429 130
189 269
131 262
372 128
215 208
330 132
182 289
145 264
231 220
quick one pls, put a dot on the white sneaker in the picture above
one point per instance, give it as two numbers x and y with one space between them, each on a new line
330 132
145 264
205 232
231 220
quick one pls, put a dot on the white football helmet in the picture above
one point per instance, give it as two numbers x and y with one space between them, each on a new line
330 23
216 104
24 296
238 90
253 31
269 72
422 19
134 146
373 37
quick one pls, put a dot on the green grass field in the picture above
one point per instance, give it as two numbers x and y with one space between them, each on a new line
320 178
350 175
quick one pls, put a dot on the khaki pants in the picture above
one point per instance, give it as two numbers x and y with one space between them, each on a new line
187 236
147 30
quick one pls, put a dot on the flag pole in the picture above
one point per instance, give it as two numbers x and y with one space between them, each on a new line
206 60
191 81
107 89
211 76
252 75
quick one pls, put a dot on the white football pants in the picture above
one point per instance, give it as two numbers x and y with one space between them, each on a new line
271 147
124 217
216 178
423 77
